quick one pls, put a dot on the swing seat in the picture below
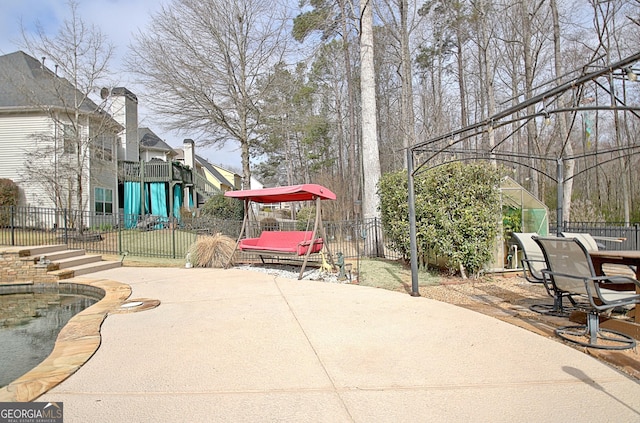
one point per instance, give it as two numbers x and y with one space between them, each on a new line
282 243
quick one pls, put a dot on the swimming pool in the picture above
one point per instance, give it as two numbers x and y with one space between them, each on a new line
31 317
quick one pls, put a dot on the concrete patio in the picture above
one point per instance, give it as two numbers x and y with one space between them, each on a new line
236 345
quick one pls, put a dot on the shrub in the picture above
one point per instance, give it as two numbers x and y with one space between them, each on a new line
306 218
186 217
8 193
212 251
457 214
223 207
8 197
284 213
511 220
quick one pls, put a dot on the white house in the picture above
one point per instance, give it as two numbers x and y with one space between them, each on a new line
152 147
38 130
47 136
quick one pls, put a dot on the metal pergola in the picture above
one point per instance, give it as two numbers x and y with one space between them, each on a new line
492 138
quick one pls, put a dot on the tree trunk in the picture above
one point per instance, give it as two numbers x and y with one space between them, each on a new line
370 155
563 133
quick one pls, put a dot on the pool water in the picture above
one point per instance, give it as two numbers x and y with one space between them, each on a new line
30 319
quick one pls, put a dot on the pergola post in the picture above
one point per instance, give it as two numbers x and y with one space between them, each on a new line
559 209
413 242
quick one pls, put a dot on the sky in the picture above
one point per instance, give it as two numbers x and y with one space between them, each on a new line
118 20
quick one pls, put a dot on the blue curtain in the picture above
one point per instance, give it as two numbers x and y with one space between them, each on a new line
191 199
158 199
177 201
147 208
158 192
131 204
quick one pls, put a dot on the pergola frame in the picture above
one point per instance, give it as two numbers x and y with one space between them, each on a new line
448 147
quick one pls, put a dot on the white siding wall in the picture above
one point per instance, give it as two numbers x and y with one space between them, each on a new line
17 133
148 155
103 175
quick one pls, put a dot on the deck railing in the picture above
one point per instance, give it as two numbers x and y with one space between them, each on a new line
159 171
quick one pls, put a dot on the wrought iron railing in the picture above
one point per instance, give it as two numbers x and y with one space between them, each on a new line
155 236
620 236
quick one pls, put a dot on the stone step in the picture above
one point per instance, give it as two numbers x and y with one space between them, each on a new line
75 261
59 255
84 269
40 250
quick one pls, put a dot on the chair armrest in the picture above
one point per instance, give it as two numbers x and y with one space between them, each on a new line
616 280
596 280
528 273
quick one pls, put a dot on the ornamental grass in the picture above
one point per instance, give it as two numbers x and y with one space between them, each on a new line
212 251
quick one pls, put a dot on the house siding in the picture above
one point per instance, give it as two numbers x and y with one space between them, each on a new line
17 133
230 176
103 175
18 141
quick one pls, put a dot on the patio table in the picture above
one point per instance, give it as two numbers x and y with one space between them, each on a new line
627 257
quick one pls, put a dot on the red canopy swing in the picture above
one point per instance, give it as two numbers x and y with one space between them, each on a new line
282 243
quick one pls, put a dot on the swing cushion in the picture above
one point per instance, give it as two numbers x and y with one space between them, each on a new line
282 242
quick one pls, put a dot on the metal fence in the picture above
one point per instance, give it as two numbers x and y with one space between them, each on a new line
154 236
627 237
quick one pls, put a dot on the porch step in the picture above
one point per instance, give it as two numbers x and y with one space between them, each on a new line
41 250
64 254
83 269
75 261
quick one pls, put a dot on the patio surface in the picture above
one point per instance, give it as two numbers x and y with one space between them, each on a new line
236 345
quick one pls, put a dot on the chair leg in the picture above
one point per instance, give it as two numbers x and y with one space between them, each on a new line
556 309
605 339
593 326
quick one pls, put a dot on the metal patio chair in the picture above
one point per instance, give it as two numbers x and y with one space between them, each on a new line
570 270
533 264
591 244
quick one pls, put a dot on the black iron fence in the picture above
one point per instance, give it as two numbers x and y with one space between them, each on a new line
155 236
620 236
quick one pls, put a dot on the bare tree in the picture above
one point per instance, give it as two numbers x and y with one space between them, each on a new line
401 27
81 54
563 121
206 67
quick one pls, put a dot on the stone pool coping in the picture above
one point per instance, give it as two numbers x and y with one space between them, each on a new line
78 340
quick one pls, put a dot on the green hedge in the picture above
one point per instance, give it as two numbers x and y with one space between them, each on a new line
457 214
222 207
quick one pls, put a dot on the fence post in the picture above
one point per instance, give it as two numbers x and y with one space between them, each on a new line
66 226
13 225
375 223
637 237
173 240
120 224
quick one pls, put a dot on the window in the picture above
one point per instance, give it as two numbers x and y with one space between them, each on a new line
70 139
103 201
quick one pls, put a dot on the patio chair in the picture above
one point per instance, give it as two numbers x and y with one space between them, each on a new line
591 244
533 264
570 270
